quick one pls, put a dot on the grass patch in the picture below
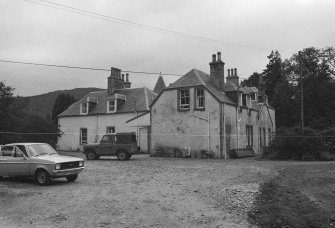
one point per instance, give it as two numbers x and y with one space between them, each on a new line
279 204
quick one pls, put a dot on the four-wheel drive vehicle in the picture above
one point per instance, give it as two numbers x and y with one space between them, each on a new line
122 145
38 160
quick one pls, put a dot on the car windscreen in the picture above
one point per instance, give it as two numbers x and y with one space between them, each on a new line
39 149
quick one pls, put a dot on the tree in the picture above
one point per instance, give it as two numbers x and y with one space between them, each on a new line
62 102
273 74
252 81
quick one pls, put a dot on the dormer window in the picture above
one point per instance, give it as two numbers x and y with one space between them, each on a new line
83 108
111 106
244 100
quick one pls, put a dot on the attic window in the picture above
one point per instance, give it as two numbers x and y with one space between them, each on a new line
83 108
111 106
184 99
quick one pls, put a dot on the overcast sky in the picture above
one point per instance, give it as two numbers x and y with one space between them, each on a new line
248 29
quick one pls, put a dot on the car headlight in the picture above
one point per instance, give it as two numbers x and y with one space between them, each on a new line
57 166
81 163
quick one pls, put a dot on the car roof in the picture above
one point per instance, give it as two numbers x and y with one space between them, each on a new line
22 144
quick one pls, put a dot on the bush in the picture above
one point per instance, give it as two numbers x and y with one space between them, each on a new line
290 143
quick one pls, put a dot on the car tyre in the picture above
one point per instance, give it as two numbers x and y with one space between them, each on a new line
90 155
122 155
42 177
71 178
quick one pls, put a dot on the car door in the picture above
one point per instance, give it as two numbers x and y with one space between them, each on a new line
6 152
17 164
106 144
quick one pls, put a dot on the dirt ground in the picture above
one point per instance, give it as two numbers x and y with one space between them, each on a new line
172 192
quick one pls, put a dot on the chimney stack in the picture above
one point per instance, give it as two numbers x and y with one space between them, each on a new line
122 77
114 81
232 76
127 83
217 71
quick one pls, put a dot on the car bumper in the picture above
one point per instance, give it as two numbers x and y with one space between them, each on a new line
66 172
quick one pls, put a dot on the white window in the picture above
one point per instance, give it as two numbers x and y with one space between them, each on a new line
83 135
110 130
83 108
111 106
199 99
184 99
250 135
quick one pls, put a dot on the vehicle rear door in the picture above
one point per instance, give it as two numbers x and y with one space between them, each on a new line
17 164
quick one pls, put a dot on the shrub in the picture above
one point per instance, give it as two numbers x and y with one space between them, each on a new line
290 143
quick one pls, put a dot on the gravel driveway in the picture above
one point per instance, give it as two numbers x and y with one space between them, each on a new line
142 192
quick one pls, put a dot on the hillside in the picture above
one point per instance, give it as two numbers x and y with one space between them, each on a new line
42 104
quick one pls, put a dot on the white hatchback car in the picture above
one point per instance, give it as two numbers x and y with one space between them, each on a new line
39 160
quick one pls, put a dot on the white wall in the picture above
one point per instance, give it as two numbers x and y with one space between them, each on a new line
96 128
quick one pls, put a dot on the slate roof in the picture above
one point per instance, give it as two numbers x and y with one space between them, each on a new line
142 97
160 85
251 89
232 87
198 78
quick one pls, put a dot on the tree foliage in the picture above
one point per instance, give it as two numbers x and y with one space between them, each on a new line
18 126
284 86
62 102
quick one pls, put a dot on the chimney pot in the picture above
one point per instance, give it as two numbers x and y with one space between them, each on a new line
219 56
127 77
235 71
213 58
228 73
122 77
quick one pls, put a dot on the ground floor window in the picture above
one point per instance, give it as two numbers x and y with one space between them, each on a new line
270 136
249 133
264 136
83 135
110 129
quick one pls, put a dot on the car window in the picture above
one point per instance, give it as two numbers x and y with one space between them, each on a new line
126 139
17 152
22 149
7 151
108 138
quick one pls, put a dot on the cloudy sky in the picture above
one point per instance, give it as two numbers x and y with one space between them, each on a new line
247 31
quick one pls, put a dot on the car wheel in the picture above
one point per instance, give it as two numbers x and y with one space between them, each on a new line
42 177
72 178
90 155
122 155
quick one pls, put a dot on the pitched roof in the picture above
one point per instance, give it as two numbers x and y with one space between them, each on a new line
139 97
160 85
198 78
251 89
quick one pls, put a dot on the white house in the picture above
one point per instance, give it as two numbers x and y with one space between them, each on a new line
103 112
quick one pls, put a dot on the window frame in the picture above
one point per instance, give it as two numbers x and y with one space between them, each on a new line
83 104
198 97
115 106
110 127
81 141
250 135
246 100
180 97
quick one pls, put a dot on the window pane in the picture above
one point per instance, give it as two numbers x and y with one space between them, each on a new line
111 106
184 99
83 136
200 98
